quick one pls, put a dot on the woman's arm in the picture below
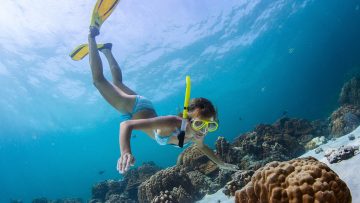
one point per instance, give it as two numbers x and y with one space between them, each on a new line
211 155
126 128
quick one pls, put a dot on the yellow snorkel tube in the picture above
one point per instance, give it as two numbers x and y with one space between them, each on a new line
181 135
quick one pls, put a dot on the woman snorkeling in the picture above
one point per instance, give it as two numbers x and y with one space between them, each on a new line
140 114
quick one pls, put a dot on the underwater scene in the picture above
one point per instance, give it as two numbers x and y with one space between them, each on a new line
179 101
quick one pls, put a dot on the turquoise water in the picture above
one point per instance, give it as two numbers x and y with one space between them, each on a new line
253 59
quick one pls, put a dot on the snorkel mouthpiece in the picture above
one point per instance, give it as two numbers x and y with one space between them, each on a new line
181 135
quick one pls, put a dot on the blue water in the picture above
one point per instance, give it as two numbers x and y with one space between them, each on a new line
253 59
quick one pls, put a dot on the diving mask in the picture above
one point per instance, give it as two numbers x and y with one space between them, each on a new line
202 125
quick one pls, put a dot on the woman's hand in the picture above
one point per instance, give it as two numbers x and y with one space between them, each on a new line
230 167
124 162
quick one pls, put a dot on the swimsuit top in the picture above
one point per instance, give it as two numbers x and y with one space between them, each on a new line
163 140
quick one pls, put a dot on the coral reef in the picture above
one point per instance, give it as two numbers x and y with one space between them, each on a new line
350 92
224 149
202 184
223 177
174 179
344 120
321 128
347 117
126 190
302 129
298 180
195 175
101 191
164 197
281 141
67 200
315 142
239 180
16 201
193 159
343 153
41 200
115 198
136 176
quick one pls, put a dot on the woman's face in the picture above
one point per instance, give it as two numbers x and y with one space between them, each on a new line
198 134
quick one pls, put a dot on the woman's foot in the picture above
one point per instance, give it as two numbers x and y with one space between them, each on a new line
105 47
93 31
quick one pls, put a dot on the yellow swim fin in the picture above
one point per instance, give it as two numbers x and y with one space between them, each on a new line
102 10
82 50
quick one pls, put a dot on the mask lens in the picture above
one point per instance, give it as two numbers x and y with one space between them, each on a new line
212 126
197 124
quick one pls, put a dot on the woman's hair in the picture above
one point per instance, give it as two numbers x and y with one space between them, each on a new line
201 107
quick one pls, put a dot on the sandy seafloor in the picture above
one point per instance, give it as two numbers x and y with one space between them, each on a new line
348 170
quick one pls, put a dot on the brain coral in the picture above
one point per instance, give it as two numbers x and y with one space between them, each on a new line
298 180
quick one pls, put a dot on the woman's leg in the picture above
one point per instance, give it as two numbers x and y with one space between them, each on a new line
117 81
116 72
115 96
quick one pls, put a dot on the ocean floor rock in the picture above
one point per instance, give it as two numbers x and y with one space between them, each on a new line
343 153
351 137
318 150
297 180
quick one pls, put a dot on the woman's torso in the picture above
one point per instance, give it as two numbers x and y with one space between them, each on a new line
170 131
171 135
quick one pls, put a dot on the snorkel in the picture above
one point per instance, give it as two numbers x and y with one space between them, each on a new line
181 135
